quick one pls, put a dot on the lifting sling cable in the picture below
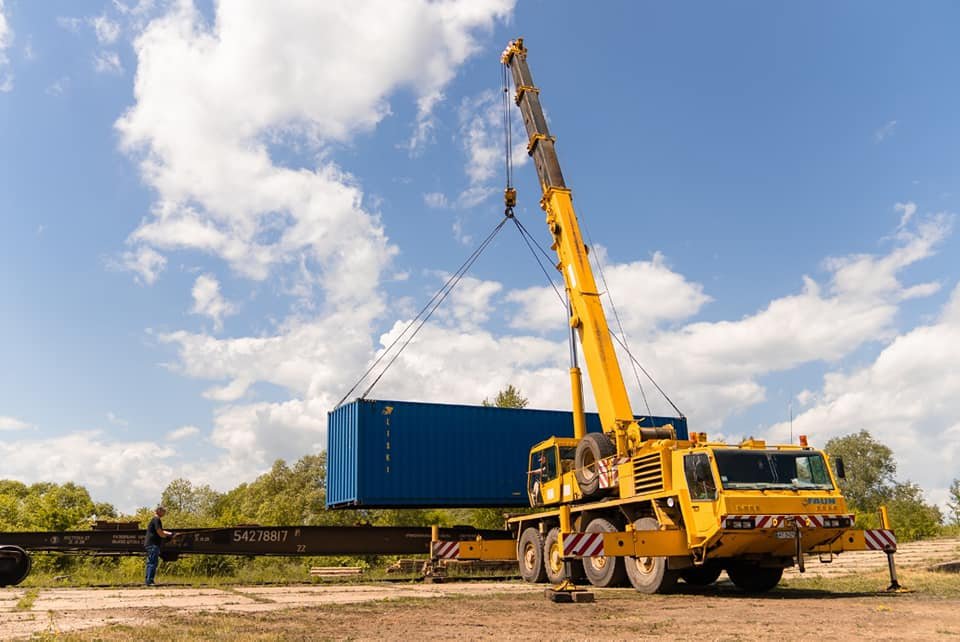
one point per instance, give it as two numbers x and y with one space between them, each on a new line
422 316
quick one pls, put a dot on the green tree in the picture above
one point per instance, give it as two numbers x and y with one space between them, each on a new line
509 397
953 501
182 496
911 516
870 469
870 482
284 495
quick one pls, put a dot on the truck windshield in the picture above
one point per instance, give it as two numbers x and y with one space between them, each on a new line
772 469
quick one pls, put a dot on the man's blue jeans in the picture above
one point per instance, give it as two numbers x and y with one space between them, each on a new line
153 560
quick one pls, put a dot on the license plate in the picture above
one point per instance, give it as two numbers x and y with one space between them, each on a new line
786 535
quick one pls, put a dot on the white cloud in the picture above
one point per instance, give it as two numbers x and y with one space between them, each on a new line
128 473
145 262
713 369
183 432
656 293
482 137
435 200
212 104
116 421
11 423
107 62
907 398
139 8
6 39
72 25
209 98
470 303
907 209
885 131
865 276
208 301
107 30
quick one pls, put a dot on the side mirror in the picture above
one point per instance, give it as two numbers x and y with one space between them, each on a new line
841 471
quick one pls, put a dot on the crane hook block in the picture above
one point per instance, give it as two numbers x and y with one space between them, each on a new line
510 197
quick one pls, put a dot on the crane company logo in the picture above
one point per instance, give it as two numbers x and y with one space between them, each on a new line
820 500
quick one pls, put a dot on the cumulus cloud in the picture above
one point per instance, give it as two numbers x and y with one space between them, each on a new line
907 398
107 62
481 133
208 301
183 432
656 293
907 210
125 472
11 423
435 200
6 39
209 98
714 369
107 30
145 262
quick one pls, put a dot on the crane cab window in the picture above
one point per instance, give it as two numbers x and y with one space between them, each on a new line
543 464
699 476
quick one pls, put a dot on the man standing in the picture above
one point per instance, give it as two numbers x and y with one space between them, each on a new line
153 542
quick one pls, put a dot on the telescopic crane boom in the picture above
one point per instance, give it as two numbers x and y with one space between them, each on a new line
587 317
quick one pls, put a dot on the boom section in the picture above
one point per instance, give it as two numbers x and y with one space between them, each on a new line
587 318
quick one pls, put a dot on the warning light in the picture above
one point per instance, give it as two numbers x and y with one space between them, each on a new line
803 440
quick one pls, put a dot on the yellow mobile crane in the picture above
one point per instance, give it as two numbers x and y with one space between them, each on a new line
634 502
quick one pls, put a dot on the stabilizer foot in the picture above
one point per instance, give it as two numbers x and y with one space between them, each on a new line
568 596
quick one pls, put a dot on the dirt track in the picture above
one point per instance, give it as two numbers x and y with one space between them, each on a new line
499 609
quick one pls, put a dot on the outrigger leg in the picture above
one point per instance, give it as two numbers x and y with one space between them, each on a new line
566 591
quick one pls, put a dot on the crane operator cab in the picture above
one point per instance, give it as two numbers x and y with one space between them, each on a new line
550 472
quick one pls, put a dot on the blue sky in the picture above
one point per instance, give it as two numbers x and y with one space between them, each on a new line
211 221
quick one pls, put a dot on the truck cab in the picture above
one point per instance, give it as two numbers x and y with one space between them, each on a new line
753 499
550 477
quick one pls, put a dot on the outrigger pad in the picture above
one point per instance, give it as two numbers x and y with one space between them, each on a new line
567 597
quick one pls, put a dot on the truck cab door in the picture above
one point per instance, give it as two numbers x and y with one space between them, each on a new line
702 485
543 478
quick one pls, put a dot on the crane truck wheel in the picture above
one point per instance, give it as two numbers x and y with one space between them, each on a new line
530 556
592 448
649 574
752 578
603 571
553 561
15 565
701 575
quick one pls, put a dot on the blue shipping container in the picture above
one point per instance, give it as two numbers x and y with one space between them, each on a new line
421 455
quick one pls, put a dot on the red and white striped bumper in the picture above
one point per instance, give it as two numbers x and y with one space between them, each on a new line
445 550
879 539
778 521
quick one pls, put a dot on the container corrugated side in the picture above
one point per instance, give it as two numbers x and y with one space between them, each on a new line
417 455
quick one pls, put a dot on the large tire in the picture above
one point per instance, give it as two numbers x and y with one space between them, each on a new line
701 575
603 571
752 578
592 448
649 574
530 556
15 564
552 559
